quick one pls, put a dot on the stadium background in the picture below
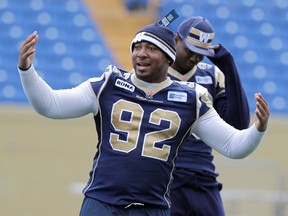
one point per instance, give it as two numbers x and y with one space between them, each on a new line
44 163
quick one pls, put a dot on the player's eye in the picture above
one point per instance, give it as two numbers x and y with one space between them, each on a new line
152 48
137 46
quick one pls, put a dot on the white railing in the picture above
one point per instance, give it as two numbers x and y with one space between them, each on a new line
262 185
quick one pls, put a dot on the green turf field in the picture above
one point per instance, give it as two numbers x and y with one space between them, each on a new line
44 164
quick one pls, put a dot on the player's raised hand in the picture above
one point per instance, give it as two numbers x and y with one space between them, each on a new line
27 51
262 112
215 47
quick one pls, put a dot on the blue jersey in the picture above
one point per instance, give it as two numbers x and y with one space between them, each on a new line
195 154
139 131
229 100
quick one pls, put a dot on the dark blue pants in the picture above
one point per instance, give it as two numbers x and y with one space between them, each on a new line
92 207
195 194
187 201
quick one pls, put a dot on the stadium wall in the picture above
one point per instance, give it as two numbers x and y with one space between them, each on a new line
44 166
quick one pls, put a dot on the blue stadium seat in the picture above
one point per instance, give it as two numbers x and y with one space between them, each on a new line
70 48
254 32
259 41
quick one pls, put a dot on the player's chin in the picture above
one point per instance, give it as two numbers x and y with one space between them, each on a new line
189 64
141 71
143 75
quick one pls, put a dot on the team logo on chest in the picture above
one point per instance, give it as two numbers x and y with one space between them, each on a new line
125 85
149 95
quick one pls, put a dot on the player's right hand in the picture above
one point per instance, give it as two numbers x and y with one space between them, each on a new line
27 51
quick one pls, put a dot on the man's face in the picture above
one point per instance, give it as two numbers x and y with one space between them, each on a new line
185 58
149 62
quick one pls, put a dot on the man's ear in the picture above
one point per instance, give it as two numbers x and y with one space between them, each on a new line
177 38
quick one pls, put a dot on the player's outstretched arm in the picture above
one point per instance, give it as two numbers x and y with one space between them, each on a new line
27 51
262 112
57 104
229 141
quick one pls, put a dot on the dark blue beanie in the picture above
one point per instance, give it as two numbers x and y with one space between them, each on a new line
158 35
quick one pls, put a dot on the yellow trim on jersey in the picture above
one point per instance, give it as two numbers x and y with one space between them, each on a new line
181 77
153 88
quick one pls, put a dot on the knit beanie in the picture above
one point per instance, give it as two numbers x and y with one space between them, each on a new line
158 35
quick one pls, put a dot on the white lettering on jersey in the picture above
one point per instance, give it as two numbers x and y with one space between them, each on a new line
177 96
124 85
203 79
203 65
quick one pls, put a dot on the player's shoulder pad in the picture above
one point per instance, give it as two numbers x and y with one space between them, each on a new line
193 85
204 95
110 70
213 69
119 71
200 89
185 83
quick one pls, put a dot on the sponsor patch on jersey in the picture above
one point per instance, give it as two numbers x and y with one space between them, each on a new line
177 96
203 79
204 66
125 85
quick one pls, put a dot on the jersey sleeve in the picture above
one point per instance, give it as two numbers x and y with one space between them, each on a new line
233 107
57 104
224 138
203 100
